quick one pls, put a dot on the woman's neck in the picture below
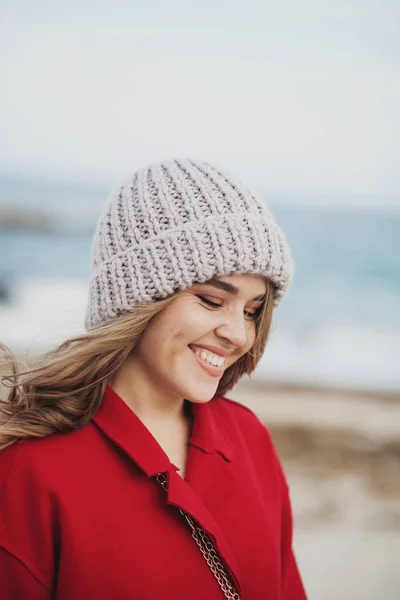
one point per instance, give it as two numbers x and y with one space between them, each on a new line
151 403
169 423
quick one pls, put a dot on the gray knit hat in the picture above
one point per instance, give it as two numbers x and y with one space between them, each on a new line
174 224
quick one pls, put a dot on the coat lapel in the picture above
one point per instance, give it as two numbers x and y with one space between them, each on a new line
119 423
209 470
180 494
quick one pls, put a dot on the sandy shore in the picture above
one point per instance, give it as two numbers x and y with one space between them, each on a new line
341 454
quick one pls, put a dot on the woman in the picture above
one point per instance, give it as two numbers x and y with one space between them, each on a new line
125 472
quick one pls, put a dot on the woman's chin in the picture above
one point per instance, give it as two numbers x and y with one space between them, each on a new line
201 396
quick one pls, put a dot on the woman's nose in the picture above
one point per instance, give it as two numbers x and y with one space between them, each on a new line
234 330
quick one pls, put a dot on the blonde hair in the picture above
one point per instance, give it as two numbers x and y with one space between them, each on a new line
64 389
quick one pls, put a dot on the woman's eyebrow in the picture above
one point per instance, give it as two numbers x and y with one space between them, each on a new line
231 289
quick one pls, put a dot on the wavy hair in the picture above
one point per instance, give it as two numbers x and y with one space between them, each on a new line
63 389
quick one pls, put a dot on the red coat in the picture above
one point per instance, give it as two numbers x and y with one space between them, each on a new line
82 517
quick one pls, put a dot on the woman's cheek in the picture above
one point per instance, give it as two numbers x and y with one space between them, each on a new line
251 336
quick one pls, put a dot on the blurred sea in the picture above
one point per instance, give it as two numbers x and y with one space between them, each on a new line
340 324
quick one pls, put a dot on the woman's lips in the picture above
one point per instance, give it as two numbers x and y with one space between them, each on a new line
208 367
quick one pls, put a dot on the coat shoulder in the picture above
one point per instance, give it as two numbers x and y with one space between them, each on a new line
39 457
244 426
234 411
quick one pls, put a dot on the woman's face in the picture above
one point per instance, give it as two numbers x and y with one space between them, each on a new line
214 319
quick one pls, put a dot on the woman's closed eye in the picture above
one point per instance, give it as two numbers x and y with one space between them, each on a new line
251 315
208 301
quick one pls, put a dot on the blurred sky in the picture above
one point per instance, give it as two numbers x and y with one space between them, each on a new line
299 96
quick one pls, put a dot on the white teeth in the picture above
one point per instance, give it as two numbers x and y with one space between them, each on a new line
210 357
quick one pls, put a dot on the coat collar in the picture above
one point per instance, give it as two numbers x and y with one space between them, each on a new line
209 477
119 423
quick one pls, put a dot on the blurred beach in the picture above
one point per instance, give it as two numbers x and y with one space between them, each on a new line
341 454
327 387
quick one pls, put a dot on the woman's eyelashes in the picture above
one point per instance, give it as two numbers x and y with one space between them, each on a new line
253 315
208 301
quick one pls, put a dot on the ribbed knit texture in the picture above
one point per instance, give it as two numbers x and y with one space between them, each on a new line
176 223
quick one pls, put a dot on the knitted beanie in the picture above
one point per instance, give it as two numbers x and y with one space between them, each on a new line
174 224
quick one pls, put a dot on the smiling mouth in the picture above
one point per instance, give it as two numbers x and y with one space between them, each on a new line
208 367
